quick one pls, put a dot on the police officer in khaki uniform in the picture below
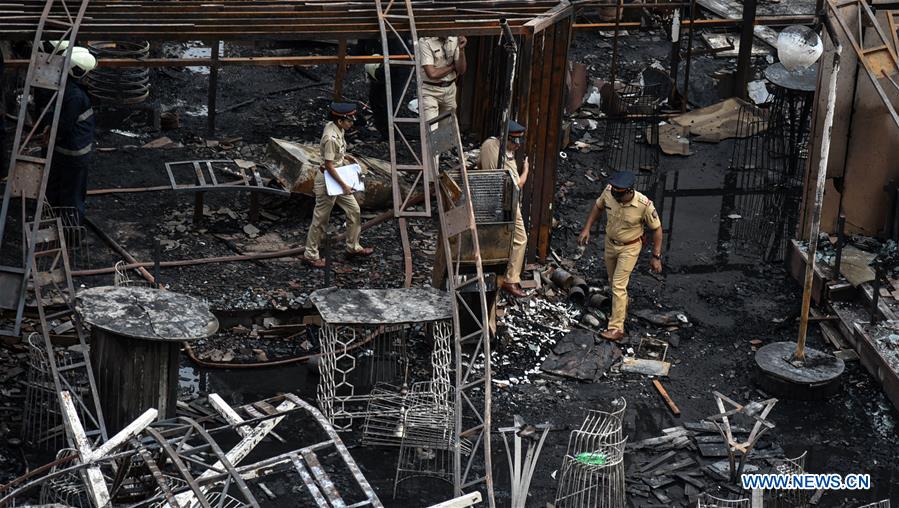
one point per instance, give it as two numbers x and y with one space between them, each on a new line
489 159
333 152
443 60
627 211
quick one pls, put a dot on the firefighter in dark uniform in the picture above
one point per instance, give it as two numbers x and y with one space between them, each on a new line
72 153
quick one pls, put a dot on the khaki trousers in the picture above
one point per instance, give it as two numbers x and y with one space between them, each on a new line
519 245
436 100
620 262
323 205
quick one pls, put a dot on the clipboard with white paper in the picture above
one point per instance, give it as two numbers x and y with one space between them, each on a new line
351 174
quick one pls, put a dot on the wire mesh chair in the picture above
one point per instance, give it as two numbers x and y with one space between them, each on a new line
710 501
65 490
879 504
75 233
41 420
122 279
789 498
388 404
592 472
428 435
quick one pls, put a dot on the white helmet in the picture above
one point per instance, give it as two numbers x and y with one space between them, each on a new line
83 60
371 68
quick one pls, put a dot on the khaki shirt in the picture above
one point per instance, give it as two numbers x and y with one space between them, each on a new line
439 53
490 157
333 145
624 223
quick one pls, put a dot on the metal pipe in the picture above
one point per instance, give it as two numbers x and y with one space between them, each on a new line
213 88
820 182
744 58
121 250
686 100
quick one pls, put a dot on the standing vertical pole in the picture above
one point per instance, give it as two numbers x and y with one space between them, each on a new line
744 58
511 48
619 11
341 69
820 181
685 100
675 53
213 88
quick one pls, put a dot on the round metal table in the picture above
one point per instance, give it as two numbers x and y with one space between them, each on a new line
136 336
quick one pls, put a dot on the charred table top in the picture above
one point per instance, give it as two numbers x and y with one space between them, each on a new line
801 80
146 313
382 306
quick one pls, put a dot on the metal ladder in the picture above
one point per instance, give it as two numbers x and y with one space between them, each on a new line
28 173
51 276
456 215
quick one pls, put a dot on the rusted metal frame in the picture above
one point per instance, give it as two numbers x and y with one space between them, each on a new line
460 478
309 482
237 453
704 23
68 292
181 467
166 428
223 460
322 479
161 480
174 432
471 458
394 106
254 184
340 446
17 152
858 46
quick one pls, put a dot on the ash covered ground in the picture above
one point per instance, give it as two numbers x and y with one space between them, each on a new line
734 302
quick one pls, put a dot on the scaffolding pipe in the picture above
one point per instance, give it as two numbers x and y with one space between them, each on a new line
820 181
